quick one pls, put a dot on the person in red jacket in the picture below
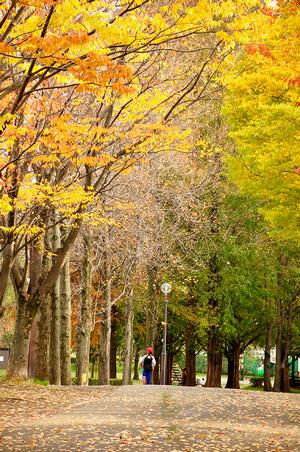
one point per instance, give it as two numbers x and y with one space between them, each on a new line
147 363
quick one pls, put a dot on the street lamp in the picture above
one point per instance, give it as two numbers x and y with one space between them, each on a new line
166 289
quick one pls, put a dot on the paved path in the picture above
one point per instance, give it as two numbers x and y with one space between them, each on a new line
170 418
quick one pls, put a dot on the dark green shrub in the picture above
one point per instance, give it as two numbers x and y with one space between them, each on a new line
257 381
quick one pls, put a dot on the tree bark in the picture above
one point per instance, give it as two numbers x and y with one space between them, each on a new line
190 355
18 360
267 358
113 343
42 340
126 380
278 344
214 360
136 375
84 315
233 358
105 321
151 307
54 345
65 324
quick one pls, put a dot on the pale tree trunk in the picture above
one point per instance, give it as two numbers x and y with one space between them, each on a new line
54 346
105 323
18 360
43 321
65 325
84 314
104 346
42 342
128 339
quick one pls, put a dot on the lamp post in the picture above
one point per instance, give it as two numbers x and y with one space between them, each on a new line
166 289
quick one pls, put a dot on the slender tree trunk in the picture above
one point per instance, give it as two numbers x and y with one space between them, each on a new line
18 360
65 332
84 315
136 365
104 348
277 380
169 368
128 339
54 346
32 350
113 343
42 341
105 322
190 355
267 358
151 308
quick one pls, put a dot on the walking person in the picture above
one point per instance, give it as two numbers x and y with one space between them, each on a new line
147 363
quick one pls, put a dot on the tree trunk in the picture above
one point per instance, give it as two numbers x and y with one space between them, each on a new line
214 360
151 307
277 379
233 357
267 358
7 254
128 339
84 315
32 350
65 331
42 341
105 323
18 360
190 356
113 343
54 346
136 375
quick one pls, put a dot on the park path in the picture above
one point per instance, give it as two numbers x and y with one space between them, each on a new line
166 418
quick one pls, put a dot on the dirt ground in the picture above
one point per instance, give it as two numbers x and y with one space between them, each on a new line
156 418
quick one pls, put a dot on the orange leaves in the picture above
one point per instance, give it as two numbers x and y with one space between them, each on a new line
263 49
6 48
54 46
296 171
100 70
295 81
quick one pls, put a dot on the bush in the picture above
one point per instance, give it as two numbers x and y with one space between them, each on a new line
257 381
115 382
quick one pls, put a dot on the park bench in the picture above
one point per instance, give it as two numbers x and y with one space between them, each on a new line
295 382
